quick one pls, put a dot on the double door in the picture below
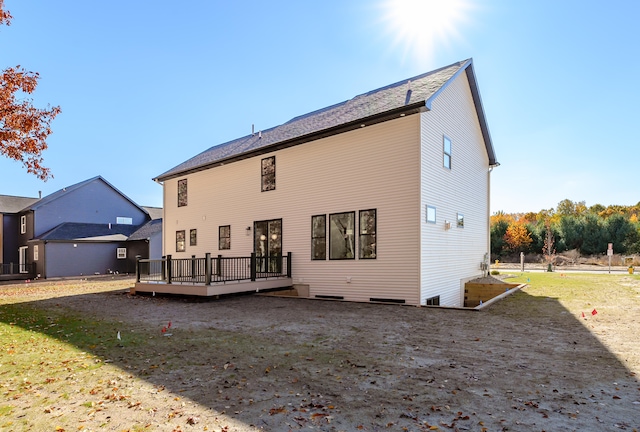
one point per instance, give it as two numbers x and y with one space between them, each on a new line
267 244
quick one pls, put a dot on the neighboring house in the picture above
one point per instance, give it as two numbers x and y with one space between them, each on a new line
10 206
151 234
83 229
384 197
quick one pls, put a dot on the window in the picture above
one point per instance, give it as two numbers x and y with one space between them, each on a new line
124 220
35 252
341 235
180 246
460 220
224 237
447 152
433 301
268 173
193 237
431 214
23 224
182 193
367 234
121 253
319 237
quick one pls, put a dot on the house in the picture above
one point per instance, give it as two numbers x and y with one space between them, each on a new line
83 229
383 197
10 206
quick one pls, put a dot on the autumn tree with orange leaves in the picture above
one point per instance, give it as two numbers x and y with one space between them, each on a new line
518 237
23 128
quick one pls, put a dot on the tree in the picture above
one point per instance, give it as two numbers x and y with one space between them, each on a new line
23 127
518 237
548 250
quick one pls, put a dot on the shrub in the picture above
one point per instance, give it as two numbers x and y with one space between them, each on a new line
495 272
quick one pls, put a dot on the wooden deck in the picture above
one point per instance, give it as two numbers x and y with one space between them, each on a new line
214 289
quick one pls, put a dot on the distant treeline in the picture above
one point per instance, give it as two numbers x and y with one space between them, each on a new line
572 225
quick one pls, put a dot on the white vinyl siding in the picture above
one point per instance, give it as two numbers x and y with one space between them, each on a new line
376 167
451 257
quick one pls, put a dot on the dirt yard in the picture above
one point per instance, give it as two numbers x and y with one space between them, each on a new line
528 363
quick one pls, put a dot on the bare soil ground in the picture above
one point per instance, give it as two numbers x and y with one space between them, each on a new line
528 363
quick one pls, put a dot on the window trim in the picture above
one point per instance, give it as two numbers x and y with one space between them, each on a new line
314 238
362 235
220 237
193 237
183 194
179 247
265 187
121 253
428 220
353 228
460 220
23 224
446 155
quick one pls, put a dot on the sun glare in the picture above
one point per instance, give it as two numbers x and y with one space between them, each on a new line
419 27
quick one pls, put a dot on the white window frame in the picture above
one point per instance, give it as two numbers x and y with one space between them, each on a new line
427 216
446 152
35 252
23 224
121 253
122 220
23 257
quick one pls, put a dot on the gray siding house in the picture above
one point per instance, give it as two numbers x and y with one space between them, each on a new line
83 229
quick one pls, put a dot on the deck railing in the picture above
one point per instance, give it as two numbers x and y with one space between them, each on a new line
16 269
210 269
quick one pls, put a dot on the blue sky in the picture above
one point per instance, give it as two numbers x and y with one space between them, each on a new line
144 85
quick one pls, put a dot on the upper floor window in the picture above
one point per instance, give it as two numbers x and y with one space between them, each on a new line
182 193
224 237
124 220
460 222
319 237
268 173
193 237
180 242
23 224
341 235
446 148
367 234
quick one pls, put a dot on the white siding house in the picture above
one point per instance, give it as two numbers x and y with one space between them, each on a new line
346 190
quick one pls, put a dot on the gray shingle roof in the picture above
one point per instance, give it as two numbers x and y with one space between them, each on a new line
147 230
407 96
89 231
14 204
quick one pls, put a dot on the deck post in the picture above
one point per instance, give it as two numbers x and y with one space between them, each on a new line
137 268
168 270
253 266
207 268
193 266
219 266
289 264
